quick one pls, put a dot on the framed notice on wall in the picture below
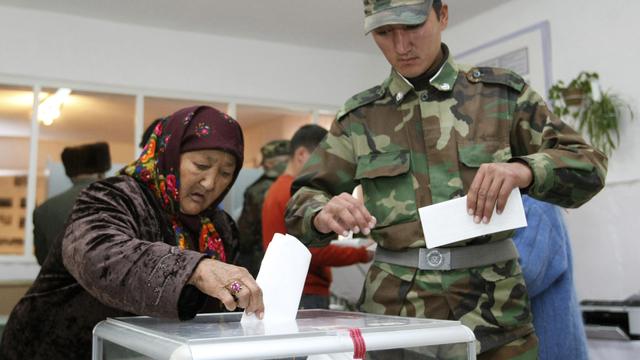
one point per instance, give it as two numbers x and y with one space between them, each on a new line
526 52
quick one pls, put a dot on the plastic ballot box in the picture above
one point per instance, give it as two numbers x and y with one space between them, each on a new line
315 334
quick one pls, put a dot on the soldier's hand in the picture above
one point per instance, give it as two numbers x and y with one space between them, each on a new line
344 213
491 188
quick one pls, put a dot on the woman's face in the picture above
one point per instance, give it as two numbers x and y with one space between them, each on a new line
204 175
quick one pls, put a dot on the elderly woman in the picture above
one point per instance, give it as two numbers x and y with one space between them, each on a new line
148 242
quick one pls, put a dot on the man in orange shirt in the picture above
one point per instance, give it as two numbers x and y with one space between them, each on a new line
316 288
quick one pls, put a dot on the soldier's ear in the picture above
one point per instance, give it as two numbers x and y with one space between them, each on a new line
444 16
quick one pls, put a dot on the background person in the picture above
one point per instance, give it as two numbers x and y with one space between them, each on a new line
547 266
150 241
432 131
275 155
316 287
83 164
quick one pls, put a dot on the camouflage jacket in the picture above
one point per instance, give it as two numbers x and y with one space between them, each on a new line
250 223
412 148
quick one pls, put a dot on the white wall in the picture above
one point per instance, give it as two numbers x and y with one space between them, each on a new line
597 36
53 46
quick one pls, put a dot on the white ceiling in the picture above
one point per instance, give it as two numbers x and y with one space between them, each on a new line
331 24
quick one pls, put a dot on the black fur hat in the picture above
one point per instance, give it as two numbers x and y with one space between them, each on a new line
86 159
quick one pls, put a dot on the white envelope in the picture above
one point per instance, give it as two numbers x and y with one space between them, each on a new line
282 274
448 222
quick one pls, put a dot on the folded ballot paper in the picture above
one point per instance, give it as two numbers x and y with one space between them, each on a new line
448 222
281 278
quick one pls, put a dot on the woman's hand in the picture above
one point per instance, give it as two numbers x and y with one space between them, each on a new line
232 285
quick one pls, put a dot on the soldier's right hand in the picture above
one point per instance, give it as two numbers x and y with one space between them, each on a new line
344 213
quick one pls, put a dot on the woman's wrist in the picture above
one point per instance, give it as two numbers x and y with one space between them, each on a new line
196 276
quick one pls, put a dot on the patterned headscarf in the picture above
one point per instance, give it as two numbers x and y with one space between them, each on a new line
158 167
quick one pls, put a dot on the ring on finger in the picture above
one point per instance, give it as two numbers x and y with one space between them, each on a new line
234 287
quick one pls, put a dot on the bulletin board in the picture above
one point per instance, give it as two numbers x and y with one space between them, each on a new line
13 204
526 52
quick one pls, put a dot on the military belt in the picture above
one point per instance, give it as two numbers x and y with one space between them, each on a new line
450 258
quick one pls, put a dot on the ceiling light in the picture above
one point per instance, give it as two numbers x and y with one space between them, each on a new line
49 109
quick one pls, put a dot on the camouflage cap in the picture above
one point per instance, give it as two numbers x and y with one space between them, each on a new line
387 12
275 148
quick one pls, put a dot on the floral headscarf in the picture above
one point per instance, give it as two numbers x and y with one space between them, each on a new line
158 167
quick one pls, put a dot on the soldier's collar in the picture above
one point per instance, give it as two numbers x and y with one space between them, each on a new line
443 80
398 86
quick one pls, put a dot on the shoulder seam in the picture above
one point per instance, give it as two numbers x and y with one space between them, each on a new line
493 75
360 99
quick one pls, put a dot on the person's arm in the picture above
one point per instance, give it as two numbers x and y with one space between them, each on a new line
551 162
333 255
543 246
103 251
322 205
566 170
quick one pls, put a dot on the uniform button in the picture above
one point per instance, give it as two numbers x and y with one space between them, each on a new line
445 87
399 97
477 74
424 96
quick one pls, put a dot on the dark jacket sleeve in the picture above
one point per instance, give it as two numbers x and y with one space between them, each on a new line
113 249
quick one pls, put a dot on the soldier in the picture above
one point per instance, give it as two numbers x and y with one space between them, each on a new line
275 155
432 131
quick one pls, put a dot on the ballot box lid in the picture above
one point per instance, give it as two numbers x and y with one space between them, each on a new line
223 336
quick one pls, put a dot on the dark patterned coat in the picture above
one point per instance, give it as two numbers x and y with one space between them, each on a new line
117 258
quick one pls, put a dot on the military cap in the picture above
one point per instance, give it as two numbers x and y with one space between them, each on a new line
275 148
86 159
388 12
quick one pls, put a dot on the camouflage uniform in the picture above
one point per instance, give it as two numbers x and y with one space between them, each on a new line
409 149
250 221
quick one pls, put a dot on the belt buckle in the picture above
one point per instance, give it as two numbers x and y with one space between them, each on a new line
434 259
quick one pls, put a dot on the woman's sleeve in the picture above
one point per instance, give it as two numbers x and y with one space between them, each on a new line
104 251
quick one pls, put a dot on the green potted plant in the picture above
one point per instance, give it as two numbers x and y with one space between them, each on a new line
597 113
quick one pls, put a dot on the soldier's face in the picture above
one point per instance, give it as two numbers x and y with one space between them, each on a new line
204 175
412 49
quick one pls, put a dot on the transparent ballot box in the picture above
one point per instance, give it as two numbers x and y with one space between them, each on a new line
314 335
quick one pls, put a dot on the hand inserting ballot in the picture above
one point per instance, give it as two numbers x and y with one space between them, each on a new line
344 213
232 285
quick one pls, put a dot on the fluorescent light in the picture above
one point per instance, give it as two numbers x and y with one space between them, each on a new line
49 109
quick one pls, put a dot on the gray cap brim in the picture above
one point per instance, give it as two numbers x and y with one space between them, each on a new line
405 15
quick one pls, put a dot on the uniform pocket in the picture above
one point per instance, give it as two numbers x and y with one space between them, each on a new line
472 154
387 186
